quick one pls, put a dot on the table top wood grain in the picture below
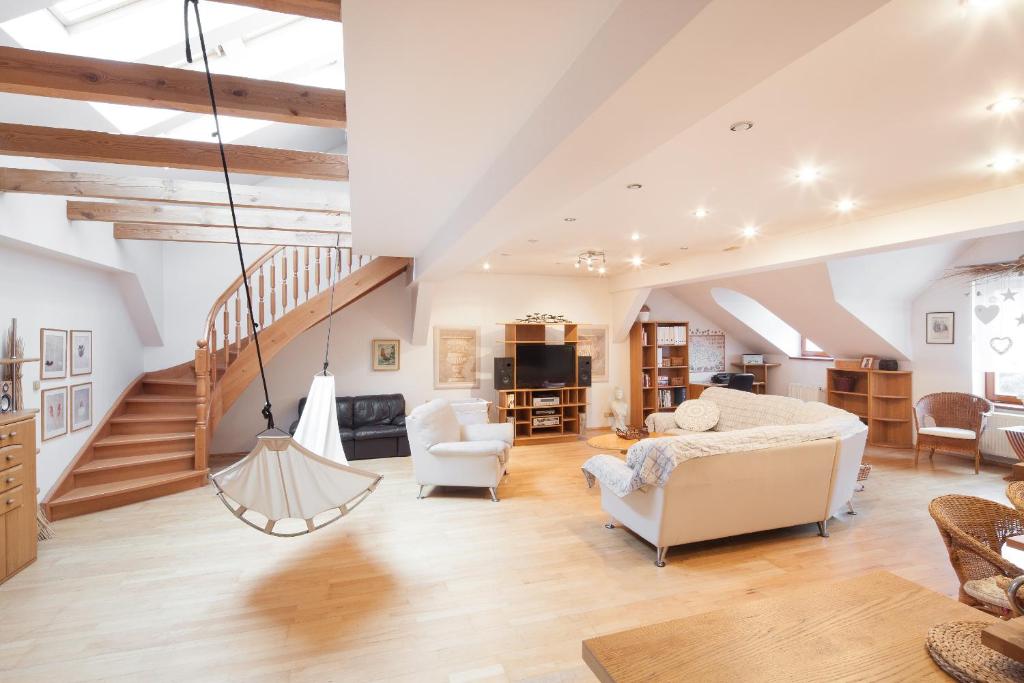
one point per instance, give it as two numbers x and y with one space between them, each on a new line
870 628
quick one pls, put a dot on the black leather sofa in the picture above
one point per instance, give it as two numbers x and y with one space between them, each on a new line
371 426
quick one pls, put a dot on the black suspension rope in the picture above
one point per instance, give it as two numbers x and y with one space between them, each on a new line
331 282
267 411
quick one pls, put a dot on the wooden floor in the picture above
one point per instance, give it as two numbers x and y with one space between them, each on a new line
450 588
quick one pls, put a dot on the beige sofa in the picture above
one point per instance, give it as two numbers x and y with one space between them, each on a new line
762 486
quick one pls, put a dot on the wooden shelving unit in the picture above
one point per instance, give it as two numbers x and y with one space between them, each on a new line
516 404
760 373
880 398
653 360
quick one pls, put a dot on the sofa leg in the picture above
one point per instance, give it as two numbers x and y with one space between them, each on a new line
610 524
494 494
917 455
420 494
659 558
823 528
849 506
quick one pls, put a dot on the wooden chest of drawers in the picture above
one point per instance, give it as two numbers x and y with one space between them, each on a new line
18 531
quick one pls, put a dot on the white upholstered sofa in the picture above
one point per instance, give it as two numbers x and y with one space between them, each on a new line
447 453
769 462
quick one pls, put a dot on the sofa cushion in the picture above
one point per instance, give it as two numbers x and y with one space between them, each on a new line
373 410
347 434
378 432
344 412
948 432
697 415
434 422
743 410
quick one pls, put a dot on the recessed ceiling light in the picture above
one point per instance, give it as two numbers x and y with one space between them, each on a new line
634 186
683 248
636 261
487 266
741 126
504 254
733 247
635 236
1004 163
1005 105
808 174
569 219
700 212
750 231
534 241
602 270
664 263
845 205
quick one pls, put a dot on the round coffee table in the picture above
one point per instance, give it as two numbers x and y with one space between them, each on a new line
614 442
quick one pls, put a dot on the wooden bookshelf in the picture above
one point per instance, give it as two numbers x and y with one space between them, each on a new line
516 405
880 398
653 359
760 373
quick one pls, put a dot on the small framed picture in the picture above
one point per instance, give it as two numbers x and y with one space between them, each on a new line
867 362
753 359
386 354
55 412
939 327
53 349
81 352
81 406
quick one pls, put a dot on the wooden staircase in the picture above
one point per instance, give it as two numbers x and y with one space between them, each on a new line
155 439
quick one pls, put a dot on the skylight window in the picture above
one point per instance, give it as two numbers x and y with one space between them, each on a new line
74 12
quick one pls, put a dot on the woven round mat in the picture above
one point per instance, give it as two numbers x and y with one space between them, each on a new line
956 647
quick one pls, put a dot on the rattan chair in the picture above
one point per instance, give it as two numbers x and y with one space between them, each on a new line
1015 492
974 530
951 422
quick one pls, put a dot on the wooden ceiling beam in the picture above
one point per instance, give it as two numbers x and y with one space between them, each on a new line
109 212
329 10
49 74
96 186
220 235
138 150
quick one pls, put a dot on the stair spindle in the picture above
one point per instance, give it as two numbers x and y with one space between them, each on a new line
238 320
284 281
227 333
295 275
305 273
273 290
319 252
261 296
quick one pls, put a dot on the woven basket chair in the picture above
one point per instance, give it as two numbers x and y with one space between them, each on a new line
1015 492
955 410
974 530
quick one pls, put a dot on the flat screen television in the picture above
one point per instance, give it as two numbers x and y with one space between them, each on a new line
537 364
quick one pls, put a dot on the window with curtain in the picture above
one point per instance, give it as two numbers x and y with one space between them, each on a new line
997 340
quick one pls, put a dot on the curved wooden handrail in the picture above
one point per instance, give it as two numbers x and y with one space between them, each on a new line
235 286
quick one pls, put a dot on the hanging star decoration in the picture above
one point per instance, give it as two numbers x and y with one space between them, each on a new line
1009 295
1020 320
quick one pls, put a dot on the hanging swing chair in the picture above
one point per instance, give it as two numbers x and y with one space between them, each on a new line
286 479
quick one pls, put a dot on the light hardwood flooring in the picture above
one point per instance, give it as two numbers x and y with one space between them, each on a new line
450 588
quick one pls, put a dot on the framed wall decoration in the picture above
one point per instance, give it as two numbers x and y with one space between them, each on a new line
940 327
593 342
55 413
81 352
81 406
386 354
707 352
867 363
53 352
456 358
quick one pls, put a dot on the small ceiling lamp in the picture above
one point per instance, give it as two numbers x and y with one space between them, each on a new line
590 260
700 212
637 261
1006 105
741 126
1004 162
808 174
845 205
751 231
487 266
634 186
635 236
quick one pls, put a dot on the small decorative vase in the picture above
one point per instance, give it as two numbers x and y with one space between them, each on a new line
645 314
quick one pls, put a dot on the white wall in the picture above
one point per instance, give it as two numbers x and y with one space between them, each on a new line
42 292
475 300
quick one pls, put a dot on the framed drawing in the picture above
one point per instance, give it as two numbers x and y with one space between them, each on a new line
940 327
53 352
593 342
55 412
386 354
707 352
81 406
456 358
81 352
867 363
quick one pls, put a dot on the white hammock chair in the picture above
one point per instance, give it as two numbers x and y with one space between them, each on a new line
306 478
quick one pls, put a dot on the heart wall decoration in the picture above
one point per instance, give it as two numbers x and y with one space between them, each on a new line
1000 344
986 314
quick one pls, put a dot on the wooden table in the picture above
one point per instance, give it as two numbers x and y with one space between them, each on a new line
871 628
1016 542
614 442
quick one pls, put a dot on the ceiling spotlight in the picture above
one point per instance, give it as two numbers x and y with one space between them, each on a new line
487 266
1004 163
750 231
602 270
504 254
636 261
569 219
635 236
741 126
845 205
1006 105
808 174
701 212
576 265
533 241
634 186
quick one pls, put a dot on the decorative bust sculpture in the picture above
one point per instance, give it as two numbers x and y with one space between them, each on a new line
619 409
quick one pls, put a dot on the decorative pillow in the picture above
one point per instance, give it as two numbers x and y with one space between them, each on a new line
697 415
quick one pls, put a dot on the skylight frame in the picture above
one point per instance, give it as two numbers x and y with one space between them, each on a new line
72 13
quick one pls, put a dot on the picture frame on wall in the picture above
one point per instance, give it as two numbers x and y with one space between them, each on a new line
81 406
593 342
54 409
867 363
53 353
81 352
940 327
456 358
387 354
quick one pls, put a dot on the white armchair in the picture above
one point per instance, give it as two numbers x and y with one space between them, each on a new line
445 453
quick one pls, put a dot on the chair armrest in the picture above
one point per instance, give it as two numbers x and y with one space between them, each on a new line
489 431
469 448
399 421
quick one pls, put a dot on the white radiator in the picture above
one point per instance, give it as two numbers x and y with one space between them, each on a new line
804 392
994 441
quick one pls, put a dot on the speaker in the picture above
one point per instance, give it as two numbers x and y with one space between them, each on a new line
584 371
504 378
888 364
6 397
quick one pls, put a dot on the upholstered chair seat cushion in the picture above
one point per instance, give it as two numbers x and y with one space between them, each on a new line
987 590
948 432
697 415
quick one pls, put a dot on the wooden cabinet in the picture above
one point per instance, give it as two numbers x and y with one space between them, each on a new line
659 367
880 398
18 531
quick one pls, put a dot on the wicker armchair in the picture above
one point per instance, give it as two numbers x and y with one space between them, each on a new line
1015 492
958 422
974 530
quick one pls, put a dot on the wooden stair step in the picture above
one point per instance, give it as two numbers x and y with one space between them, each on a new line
159 398
154 417
171 381
83 499
131 460
139 439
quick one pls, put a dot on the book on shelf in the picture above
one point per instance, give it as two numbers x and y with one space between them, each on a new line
679 334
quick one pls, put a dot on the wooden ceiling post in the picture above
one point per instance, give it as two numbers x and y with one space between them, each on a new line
109 212
329 10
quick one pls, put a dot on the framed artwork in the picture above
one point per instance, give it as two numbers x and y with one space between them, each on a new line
867 362
707 352
386 354
456 358
81 352
939 327
81 406
53 352
55 412
593 342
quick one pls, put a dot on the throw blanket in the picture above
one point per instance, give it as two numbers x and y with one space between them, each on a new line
651 461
